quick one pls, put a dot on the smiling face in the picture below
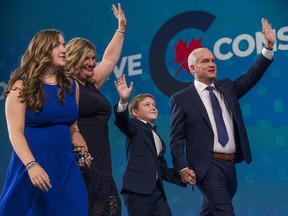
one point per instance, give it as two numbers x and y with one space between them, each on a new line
88 65
203 67
58 53
145 110
80 58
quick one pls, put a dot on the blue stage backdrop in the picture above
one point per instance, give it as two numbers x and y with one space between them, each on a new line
159 35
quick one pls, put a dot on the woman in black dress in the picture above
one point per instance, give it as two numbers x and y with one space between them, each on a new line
94 114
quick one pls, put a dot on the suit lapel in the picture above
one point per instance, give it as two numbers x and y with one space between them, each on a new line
163 150
227 96
197 103
153 144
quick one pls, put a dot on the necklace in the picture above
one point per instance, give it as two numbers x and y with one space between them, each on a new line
50 81
81 82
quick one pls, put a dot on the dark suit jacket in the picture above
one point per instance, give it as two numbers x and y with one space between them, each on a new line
141 157
190 123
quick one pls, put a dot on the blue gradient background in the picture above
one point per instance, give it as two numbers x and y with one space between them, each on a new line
263 185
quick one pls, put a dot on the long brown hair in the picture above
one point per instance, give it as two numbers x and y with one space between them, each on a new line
35 62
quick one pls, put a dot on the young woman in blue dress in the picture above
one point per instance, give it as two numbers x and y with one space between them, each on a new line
43 177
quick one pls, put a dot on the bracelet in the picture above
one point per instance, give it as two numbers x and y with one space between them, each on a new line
30 163
122 32
73 131
34 163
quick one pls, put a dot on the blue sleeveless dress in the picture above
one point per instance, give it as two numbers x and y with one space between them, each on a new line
48 137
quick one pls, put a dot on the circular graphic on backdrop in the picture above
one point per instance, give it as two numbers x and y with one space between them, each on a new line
159 72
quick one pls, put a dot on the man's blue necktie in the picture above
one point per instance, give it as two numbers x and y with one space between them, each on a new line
220 125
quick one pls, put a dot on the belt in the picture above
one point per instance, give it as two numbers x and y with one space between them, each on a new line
224 156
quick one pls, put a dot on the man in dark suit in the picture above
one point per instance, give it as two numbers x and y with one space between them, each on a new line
146 167
212 149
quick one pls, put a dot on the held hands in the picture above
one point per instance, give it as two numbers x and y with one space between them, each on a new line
122 88
80 148
268 34
83 157
188 176
120 15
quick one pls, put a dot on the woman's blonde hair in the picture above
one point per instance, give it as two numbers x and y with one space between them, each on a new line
35 62
76 52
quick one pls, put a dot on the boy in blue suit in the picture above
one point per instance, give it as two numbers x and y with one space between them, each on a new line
146 167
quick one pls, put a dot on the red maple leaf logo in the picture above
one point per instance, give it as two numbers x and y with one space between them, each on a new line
182 52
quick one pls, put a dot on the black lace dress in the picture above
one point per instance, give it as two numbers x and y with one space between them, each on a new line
94 114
